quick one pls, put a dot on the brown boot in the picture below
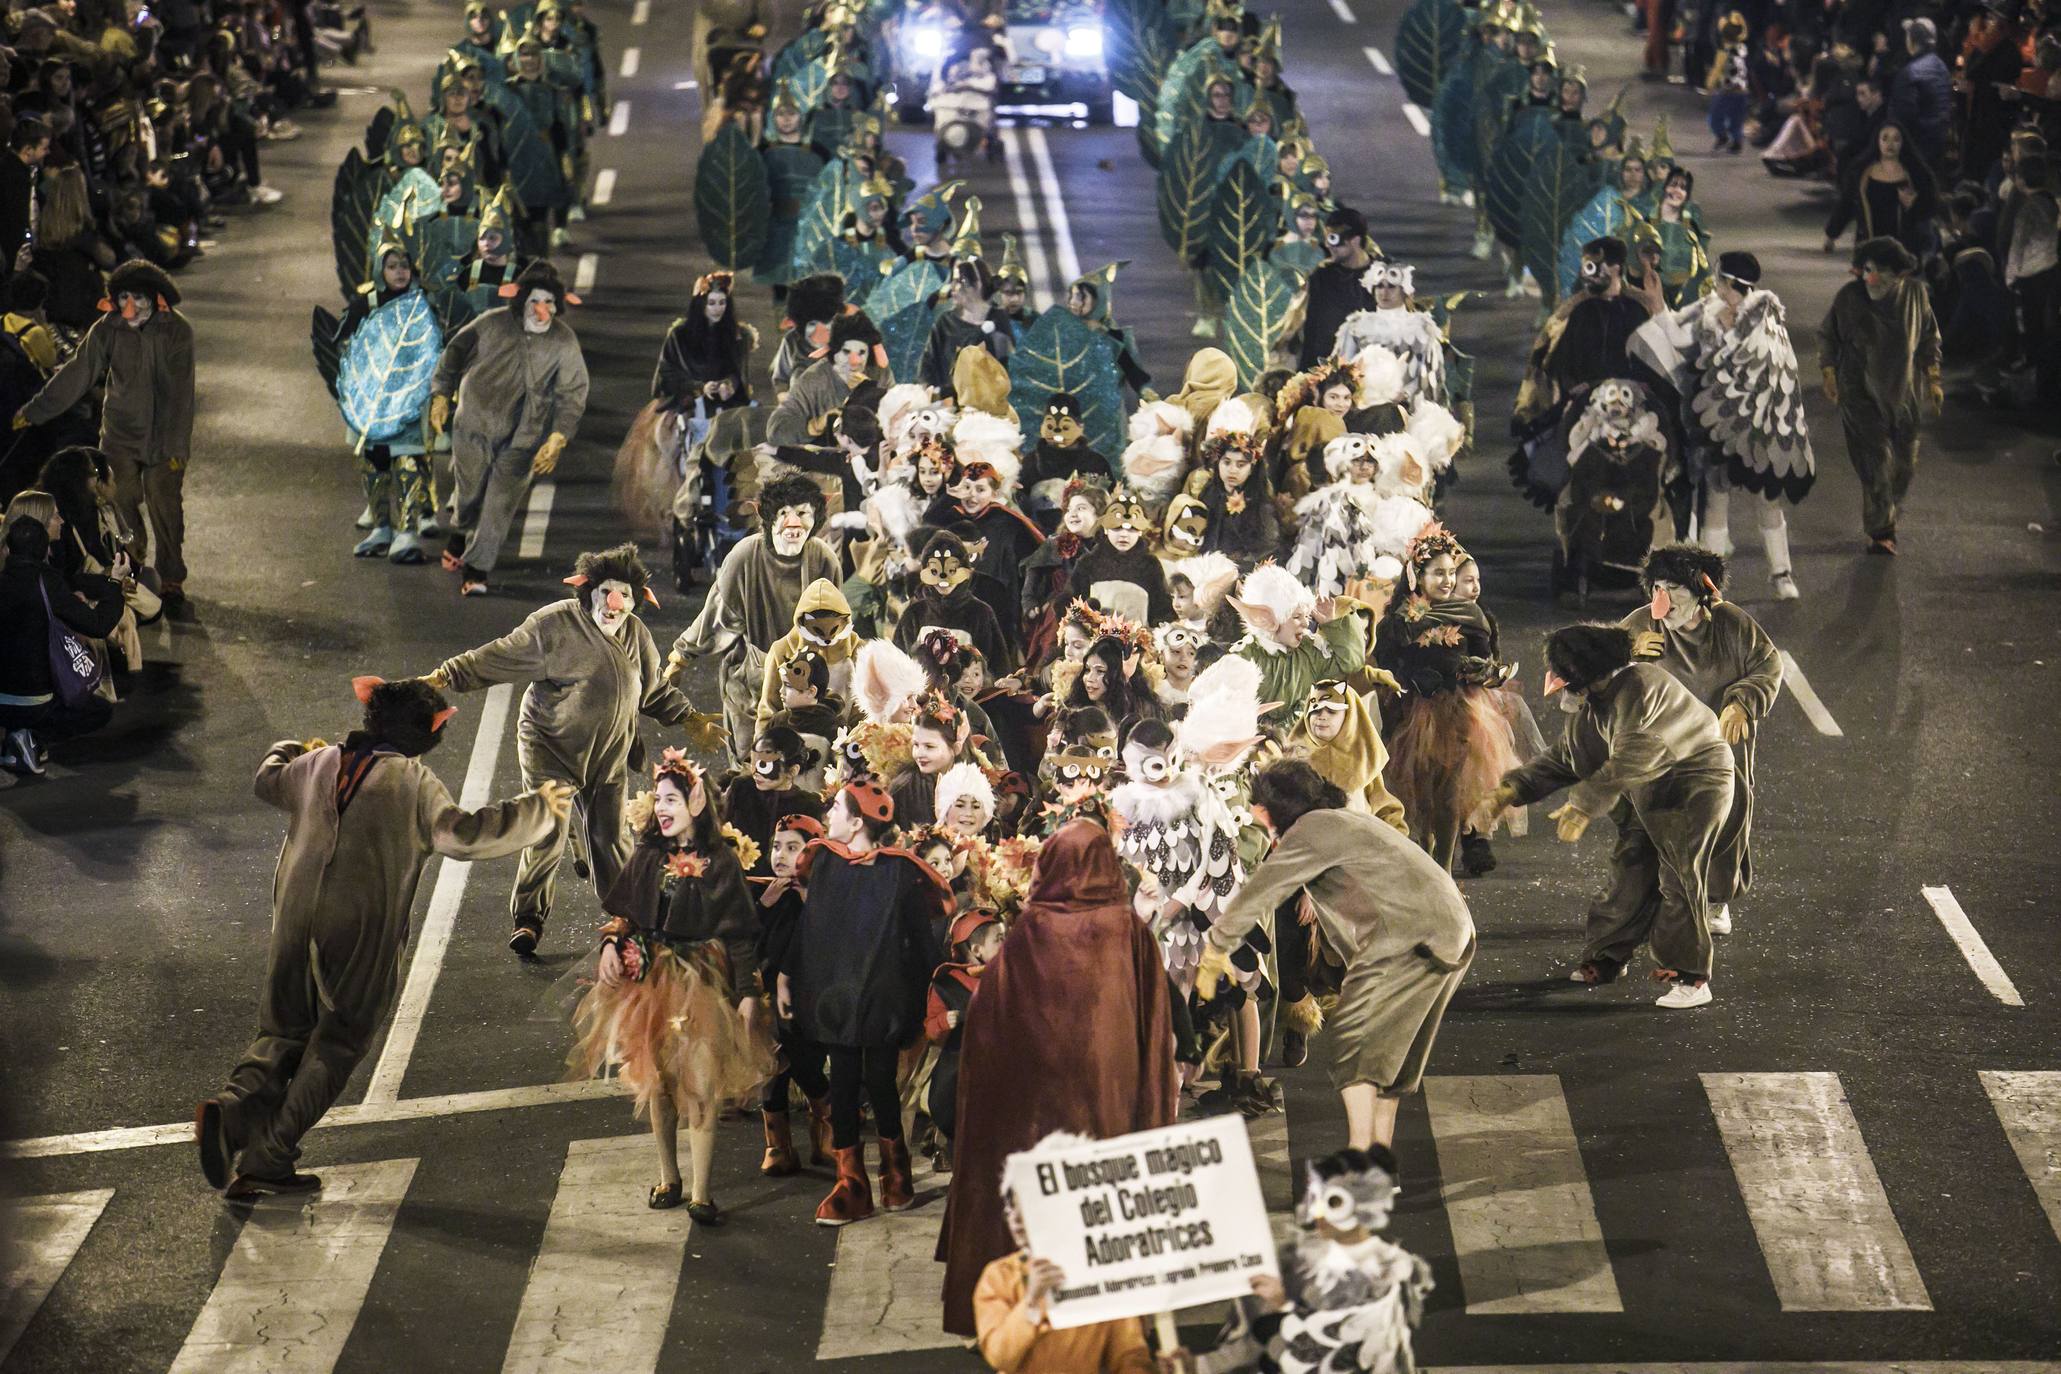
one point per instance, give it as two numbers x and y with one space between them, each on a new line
819 1131
851 1200
895 1192
779 1161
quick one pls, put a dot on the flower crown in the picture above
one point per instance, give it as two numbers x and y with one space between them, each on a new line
674 763
938 706
1433 540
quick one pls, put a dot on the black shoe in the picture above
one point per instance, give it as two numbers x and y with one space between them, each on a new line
1295 1049
1476 857
524 941
583 868
705 1213
247 1187
211 1134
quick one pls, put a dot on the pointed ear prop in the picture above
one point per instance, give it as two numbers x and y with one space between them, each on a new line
506 291
1662 603
1716 597
361 687
576 580
651 597
880 357
105 306
1554 682
571 299
1267 708
442 718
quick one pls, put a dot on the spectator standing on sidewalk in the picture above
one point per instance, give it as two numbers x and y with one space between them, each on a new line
1921 95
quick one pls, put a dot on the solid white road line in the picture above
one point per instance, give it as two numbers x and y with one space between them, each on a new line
1344 12
1825 1226
1806 697
686 85
1969 941
444 900
584 272
632 58
601 1289
1027 221
886 1291
604 187
642 13
297 1278
536 517
43 1233
1417 119
1524 1223
1380 63
364 1114
1064 258
2029 1105
619 119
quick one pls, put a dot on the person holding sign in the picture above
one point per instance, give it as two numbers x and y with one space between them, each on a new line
1388 915
1072 1029
1013 1325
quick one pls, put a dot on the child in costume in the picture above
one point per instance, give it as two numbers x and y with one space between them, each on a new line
1340 735
1477 856
973 940
756 800
1639 732
1411 334
1232 484
364 817
674 965
1451 741
1047 575
803 1062
1180 659
591 670
1113 677
863 969
1351 530
947 601
811 710
1294 639
1119 572
822 624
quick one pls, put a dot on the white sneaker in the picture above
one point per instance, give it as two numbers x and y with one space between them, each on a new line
1681 996
283 131
1785 587
576 215
1484 244
265 195
1721 920
559 238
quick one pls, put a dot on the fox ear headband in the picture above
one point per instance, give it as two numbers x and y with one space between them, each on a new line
363 688
579 580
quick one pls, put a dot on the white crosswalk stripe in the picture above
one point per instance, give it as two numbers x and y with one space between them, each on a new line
38 1237
886 1289
601 1290
288 1297
1818 1209
1524 1223
2029 1105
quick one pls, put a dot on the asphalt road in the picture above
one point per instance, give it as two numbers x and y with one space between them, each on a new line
1813 1169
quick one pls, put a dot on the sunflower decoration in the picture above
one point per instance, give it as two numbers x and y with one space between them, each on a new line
747 848
682 864
1234 502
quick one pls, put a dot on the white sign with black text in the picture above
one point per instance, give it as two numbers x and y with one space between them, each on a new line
1148 1222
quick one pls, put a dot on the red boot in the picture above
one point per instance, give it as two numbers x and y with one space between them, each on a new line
779 1161
851 1200
896 1194
819 1131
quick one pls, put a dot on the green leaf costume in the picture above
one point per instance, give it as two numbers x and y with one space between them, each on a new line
732 203
1060 352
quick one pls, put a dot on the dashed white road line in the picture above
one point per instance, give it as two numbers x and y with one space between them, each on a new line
619 119
1344 12
604 187
632 57
43 1234
583 274
686 85
1807 697
536 517
1969 941
641 13
1065 259
1417 119
1380 62
1027 221
444 899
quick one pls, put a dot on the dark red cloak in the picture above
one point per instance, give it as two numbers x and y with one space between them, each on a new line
1071 1029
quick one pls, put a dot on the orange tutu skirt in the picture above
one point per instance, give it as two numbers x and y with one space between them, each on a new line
1447 754
673 1035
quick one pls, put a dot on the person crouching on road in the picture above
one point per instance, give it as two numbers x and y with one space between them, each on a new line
364 817
670 1006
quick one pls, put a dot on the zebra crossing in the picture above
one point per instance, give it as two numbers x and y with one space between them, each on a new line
1515 1193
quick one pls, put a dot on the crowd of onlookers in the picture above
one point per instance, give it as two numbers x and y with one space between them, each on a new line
1930 124
126 132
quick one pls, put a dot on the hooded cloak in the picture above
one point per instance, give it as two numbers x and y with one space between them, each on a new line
1071 1030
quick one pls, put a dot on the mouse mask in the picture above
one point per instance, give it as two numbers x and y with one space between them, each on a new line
1124 521
1061 426
944 571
